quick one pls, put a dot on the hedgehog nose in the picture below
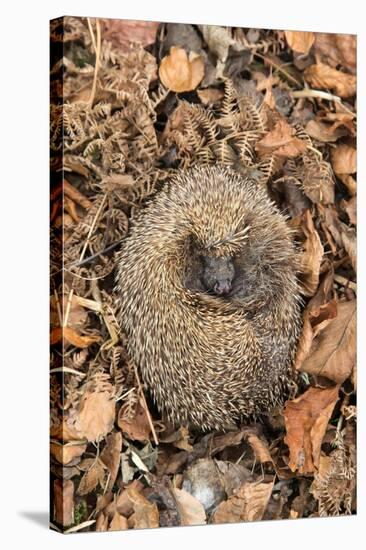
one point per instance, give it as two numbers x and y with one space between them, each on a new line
222 287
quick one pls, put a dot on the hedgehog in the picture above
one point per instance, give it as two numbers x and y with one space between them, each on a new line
210 359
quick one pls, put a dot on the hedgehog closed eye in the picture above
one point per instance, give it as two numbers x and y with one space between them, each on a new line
210 307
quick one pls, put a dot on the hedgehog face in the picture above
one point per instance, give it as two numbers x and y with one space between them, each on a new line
218 274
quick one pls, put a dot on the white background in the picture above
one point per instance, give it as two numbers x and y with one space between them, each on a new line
24 273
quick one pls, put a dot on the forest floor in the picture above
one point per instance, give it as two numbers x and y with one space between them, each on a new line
132 103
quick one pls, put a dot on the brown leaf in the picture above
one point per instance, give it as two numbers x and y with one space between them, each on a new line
306 419
124 504
96 415
77 316
247 504
95 474
324 132
190 509
145 514
179 73
325 77
63 502
344 159
72 337
260 447
111 456
66 453
351 208
311 256
282 141
337 49
210 96
118 523
333 350
299 41
124 32
136 428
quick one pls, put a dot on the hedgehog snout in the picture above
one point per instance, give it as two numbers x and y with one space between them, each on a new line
222 287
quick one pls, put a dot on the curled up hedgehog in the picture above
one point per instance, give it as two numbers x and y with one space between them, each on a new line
208 298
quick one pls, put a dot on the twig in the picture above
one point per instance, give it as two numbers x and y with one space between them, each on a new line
92 227
68 370
279 68
322 95
77 263
97 62
345 282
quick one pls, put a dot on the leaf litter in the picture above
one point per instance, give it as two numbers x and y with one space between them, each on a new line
132 103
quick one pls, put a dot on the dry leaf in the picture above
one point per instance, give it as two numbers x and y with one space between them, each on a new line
324 132
118 523
306 419
337 49
179 73
111 456
210 96
102 523
136 428
124 504
63 502
191 511
66 453
300 41
203 481
333 350
282 141
248 504
96 415
344 159
122 33
349 182
351 208
72 337
311 256
325 77
95 474
77 316
145 514
260 447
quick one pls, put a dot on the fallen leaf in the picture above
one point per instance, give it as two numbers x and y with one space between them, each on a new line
350 207
344 159
210 96
203 481
247 504
66 453
336 49
325 133
96 415
93 476
306 419
63 502
124 32
333 349
71 336
179 73
77 316
102 522
299 41
124 503
136 428
282 141
325 77
311 257
190 509
260 447
145 514
111 456
349 182
232 476
118 523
